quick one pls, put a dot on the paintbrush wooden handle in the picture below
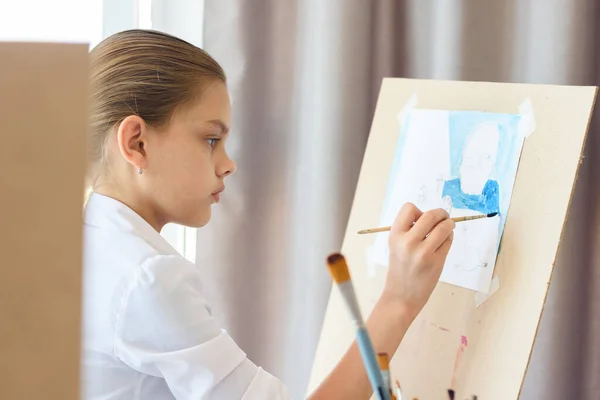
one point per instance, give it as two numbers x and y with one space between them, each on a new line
472 217
375 230
455 219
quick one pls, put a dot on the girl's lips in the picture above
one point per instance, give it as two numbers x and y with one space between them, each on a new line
216 194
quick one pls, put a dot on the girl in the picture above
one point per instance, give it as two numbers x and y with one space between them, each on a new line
160 120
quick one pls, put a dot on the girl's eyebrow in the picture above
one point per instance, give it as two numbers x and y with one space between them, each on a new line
220 125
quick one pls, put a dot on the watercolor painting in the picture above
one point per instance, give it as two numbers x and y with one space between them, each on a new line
465 162
474 189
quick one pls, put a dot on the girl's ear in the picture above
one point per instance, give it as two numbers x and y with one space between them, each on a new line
131 137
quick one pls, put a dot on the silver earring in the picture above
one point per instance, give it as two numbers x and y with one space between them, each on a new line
140 170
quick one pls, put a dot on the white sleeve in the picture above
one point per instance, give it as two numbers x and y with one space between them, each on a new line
165 329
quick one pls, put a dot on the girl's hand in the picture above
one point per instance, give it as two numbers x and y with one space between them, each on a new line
417 255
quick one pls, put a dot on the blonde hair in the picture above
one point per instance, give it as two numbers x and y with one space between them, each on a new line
145 73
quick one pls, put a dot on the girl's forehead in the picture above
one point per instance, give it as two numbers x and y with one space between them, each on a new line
213 104
211 109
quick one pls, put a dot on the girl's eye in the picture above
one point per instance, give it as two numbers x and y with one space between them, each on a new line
213 142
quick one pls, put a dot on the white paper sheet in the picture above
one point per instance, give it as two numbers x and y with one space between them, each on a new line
466 162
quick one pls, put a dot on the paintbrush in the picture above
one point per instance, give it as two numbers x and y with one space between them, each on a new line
341 275
384 367
398 390
455 219
450 394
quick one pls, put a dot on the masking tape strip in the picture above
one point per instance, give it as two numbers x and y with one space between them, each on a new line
410 105
481 297
527 123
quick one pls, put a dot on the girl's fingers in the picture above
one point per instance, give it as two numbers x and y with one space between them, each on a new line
445 247
427 222
405 219
440 233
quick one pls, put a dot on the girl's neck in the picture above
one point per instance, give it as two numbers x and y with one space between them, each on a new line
136 203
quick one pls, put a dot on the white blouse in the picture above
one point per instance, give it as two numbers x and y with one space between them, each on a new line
148 332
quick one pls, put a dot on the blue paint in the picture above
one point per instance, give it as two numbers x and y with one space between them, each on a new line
486 203
496 194
461 126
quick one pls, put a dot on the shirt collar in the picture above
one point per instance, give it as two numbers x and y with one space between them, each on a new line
107 213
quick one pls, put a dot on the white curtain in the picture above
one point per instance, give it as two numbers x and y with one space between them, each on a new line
304 76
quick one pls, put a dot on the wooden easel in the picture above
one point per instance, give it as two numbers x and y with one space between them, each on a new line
497 337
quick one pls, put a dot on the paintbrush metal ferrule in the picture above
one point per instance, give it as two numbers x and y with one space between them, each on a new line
455 219
349 296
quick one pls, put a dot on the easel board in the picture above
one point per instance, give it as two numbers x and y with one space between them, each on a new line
495 339
43 130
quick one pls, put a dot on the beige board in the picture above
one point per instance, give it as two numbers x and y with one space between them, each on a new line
43 120
500 333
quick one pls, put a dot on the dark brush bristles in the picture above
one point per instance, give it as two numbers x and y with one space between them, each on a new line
335 257
490 215
450 394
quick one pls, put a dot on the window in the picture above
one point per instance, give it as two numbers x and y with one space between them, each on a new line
90 21
51 21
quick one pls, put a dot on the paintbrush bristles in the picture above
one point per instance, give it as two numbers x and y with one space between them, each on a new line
450 394
384 361
338 268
